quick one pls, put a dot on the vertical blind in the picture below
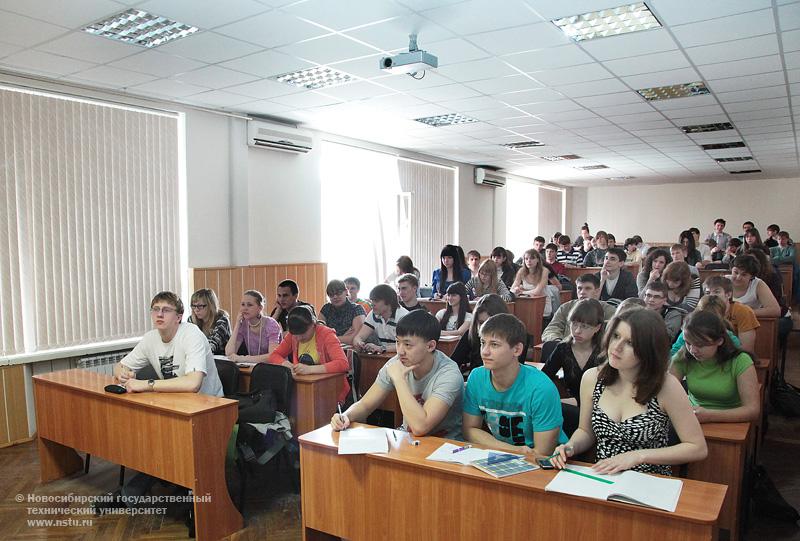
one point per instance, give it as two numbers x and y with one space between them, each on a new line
90 227
550 212
432 212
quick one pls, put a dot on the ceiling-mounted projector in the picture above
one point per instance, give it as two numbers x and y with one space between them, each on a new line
412 62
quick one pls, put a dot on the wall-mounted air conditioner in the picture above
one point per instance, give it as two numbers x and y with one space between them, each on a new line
276 137
486 177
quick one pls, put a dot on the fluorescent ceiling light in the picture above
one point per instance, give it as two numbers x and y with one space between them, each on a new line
561 158
523 144
446 120
720 146
313 78
608 22
140 28
684 90
702 128
734 159
591 167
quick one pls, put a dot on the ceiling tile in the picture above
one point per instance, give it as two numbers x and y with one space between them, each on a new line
476 70
204 14
520 38
157 63
18 30
355 13
262 107
684 103
677 12
550 107
209 47
269 63
571 75
593 88
692 112
168 88
439 93
754 94
272 29
476 16
113 77
791 40
217 98
403 82
725 28
358 90
634 65
663 78
738 68
215 77
471 104
453 51
504 84
789 16
305 99
263 89
633 44
47 63
626 109
755 105
535 95
419 5
393 34
761 114
89 48
544 59
73 14
730 84
7 49
619 98
736 50
792 60
332 48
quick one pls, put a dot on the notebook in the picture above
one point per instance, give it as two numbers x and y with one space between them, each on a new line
359 441
626 487
496 463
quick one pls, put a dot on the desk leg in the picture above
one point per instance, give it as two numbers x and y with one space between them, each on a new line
214 513
57 461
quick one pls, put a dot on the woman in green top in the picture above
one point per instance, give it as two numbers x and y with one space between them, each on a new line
721 378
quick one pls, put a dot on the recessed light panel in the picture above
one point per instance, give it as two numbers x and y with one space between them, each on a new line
561 158
446 120
524 144
684 90
745 171
608 22
313 78
734 159
140 28
702 128
591 167
719 146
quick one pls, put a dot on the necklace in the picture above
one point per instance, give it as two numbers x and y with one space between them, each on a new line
260 336
254 325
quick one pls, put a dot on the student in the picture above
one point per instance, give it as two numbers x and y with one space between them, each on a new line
633 255
531 279
378 333
716 255
719 235
311 348
769 275
473 262
566 254
451 271
588 286
654 264
595 257
702 247
678 253
518 403
551 259
212 320
455 319
693 256
720 378
505 269
576 355
716 305
486 281
583 236
783 253
403 265
286 300
745 227
772 240
750 290
615 281
734 247
655 299
640 244
631 303
612 241
181 357
407 288
353 286
341 314
752 241
428 384
684 289
628 405
741 317
255 335
467 354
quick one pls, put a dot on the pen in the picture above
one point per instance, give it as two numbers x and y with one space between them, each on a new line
589 476
395 435
341 416
462 448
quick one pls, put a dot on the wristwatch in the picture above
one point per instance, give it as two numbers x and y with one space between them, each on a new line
152 384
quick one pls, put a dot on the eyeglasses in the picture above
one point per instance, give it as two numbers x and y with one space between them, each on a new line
580 326
653 297
198 306
162 310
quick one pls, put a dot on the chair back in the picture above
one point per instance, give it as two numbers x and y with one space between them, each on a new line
277 378
228 375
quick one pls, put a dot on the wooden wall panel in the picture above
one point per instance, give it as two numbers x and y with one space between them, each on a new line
13 406
231 282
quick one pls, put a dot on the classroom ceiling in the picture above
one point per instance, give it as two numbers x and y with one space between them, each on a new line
503 63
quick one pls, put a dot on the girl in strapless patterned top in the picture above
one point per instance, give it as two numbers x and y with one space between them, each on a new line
628 403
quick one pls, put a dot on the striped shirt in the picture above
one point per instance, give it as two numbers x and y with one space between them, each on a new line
385 329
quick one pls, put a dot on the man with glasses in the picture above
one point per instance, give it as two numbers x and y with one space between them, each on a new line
655 299
588 286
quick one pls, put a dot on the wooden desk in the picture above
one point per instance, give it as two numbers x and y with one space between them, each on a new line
314 398
707 273
402 496
530 310
786 277
447 344
565 295
766 347
178 437
727 449
433 305
370 365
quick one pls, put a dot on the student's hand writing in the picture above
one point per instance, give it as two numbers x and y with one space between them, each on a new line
300 369
562 452
398 372
339 422
618 463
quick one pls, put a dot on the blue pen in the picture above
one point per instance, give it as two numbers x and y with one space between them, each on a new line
462 448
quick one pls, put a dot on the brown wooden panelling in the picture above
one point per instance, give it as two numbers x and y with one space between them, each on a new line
4 436
230 282
16 406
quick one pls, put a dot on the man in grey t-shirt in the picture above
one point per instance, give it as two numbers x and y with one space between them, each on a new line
429 384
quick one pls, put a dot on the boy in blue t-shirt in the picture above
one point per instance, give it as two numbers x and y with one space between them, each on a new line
518 403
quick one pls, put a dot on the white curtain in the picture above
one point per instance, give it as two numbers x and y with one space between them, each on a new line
550 212
522 216
90 227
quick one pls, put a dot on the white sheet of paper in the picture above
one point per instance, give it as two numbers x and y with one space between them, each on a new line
445 454
360 441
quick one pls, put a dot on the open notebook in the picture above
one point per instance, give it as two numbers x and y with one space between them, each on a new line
495 463
627 487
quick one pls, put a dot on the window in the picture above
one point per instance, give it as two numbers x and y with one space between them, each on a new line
532 210
90 225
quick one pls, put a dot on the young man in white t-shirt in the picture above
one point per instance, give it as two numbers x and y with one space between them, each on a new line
379 331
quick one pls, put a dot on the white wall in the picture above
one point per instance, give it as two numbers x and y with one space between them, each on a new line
659 213
476 213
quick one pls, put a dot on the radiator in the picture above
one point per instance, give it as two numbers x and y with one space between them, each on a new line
103 363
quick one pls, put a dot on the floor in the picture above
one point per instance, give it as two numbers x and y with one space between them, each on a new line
273 509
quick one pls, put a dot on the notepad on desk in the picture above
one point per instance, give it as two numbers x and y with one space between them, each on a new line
360 441
495 463
626 487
